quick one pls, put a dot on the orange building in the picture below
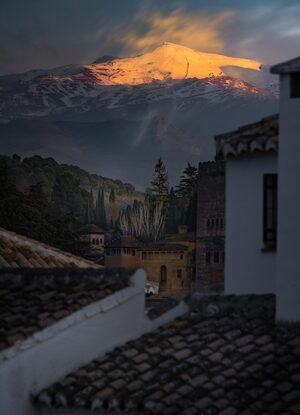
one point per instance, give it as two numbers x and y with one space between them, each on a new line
121 251
170 262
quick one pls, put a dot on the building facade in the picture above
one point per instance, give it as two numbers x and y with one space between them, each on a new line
168 263
251 157
210 253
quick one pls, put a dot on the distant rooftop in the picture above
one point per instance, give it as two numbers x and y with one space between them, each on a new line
17 251
227 356
117 240
290 66
258 136
32 299
91 228
163 246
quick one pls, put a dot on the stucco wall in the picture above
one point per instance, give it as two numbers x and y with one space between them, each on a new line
51 354
68 344
288 263
247 268
173 262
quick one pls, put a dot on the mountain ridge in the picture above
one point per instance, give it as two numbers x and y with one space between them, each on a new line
80 115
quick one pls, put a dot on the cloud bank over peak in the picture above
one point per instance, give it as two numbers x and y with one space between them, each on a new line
198 30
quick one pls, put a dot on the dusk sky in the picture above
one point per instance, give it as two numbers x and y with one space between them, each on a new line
44 34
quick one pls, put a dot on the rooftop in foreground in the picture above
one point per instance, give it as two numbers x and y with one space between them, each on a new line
227 356
258 136
32 300
18 251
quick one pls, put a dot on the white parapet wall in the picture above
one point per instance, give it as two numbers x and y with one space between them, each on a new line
288 262
52 353
248 269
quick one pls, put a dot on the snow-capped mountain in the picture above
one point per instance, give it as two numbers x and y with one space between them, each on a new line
165 100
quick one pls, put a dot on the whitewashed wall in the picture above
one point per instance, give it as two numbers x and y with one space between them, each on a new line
288 252
248 270
51 354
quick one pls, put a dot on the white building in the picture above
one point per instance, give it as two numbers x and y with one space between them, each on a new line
262 257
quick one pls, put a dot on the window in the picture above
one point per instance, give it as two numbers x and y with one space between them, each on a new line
179 273
181 256
221 223
144 255
216 257
217 223
270 210
163 273
133 252
107 251
97 241
207 257
295 85
208 223
223 257
93 241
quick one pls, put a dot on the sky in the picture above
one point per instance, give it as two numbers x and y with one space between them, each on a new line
49 33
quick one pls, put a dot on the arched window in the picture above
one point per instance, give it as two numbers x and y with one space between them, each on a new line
93 241
163 273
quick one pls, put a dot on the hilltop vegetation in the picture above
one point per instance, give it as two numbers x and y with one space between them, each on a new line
48 201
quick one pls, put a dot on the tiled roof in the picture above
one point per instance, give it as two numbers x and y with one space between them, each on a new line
163 246
91 228
181 237
116 240
227 357
31 300
290 66
259 136
17 251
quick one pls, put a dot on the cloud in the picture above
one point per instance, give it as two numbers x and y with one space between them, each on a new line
197 30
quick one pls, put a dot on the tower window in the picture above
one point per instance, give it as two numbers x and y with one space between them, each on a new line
207 257
216 257
295 85
270 210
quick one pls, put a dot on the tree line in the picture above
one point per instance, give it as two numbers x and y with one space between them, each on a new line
164 209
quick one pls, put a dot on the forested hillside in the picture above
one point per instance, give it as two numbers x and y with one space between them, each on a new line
50 202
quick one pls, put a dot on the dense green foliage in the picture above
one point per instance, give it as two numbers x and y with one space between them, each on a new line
49 202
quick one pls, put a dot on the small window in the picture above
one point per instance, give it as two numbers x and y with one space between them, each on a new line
270 210
221 223
133 252
295 85
179 273
208 223
216 257
223 257
207 257
107 251
217 223
144 255
212 223
181 256
94 241
97 241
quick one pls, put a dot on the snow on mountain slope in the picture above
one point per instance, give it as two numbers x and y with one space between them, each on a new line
165 62
169 72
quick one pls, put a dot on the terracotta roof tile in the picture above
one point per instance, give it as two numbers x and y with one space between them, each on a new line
290 66
226 357
32 299
17 251
259 136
